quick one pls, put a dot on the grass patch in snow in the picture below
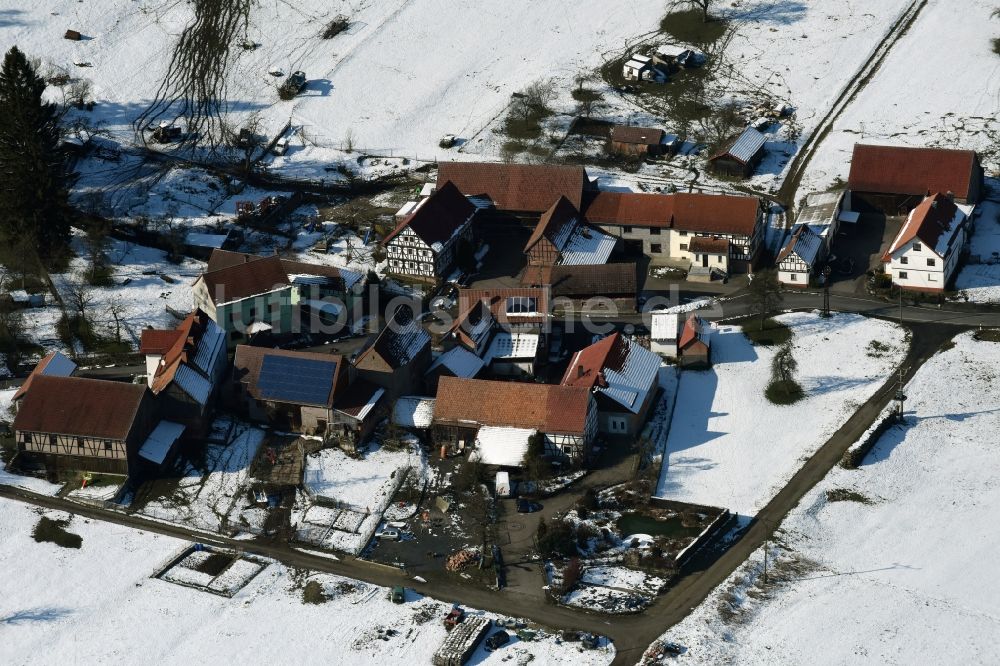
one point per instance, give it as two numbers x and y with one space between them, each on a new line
689 27
773 332
54 531
313 593
988 335
845 495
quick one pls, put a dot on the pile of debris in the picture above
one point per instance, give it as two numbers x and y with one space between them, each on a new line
462 559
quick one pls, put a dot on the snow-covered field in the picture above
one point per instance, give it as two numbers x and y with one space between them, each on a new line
906 575
730 447
957 111
98 604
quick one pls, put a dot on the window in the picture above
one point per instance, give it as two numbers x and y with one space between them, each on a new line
916 247
931 262
108 445
904 260
902 275
684 246
26 438
932 278
655 231
794 277
627 230
656 248
79 442
684 233
52 440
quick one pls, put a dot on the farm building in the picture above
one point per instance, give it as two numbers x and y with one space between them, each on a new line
623 378
571 287
925 254
565 415
740 156
694 349
894 180
455 362
628 140
560 237
398 357
800 256
425 244
663 333
518 189
824 212
54 364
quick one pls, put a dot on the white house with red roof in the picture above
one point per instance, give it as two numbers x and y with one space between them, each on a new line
925 254
623 376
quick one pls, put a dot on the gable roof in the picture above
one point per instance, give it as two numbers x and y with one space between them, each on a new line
516 187
913 171
695 329
54 364
934 222
220 259
584 280
458 361
154 341
318 371
439 217
399 342
80 407
544 407
805 243
341 278
686 211
708 245
360 399
646 136
743 148
240 281
616 367
556 225
192 360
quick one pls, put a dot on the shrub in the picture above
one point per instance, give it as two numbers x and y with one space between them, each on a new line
54 531
784 392
335 27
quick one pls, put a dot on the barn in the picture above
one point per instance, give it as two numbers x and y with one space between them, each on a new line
741 156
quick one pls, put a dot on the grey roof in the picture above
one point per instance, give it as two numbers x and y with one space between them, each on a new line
746 146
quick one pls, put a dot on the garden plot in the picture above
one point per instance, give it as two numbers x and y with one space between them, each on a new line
729 446
891 563
211 494
603 588
216 571
346 497
54 600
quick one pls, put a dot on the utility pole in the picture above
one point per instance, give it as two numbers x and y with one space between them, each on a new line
826 291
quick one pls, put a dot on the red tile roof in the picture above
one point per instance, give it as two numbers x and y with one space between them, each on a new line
516 187
703 213
927 222
912 171
694 330
248 361
646 136
587 365
496 299
439 217
583 281
80 407
629 209
155 341
708 245
225 258
187 337
240 281
43 369
544 407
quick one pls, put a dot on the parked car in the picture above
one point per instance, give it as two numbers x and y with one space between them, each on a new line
389 533
525 506
673 648
398 594
497 640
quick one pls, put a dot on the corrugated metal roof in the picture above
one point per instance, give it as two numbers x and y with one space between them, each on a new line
588 246
618 367
460 361
160 441
746 146
664 325
194 384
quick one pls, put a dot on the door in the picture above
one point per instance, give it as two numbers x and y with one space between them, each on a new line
704 261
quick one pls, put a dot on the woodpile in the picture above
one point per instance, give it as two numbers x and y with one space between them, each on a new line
461 559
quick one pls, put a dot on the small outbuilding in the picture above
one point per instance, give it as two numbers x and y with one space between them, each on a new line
628 140
741 156
694 349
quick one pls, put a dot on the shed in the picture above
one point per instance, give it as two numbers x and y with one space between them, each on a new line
629 140
664 327
741 156
73 35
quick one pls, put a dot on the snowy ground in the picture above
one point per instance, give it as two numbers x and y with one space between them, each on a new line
957 111
730 447
981 282
104 589
904 576
213 497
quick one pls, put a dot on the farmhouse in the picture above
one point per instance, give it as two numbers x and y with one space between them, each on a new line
184 367
894 180
800 256
425 244
925 254
623 378
561 238
627 140
512 307
694 349
662 226
740 156
519 189
70 424
398 357
245 294
54 364
509 413
307 393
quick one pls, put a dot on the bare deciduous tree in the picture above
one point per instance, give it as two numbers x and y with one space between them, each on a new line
79 298
116 310
705 6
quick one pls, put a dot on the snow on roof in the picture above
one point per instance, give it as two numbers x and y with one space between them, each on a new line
160 441
639 58
935 222
664 325
365 409
588 246
805 243
820 211
194 384
258 327
427 190
413 411
406 209
507 345
618 367
460 361
503 446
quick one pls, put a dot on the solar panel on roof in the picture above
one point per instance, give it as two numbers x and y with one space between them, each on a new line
299 380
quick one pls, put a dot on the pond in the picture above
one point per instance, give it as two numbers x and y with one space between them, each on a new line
637 523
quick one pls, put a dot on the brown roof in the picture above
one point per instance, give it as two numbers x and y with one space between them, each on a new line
516 187
544 407
913 171
42 368
715 213
628 209
155 341
647 136
187 337
497 300
399 342
583 281
240 281
707 245
225 258
248 361
553 222
80 407
439 217
356 397
927 222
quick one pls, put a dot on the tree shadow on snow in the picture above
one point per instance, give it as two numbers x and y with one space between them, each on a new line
36 615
